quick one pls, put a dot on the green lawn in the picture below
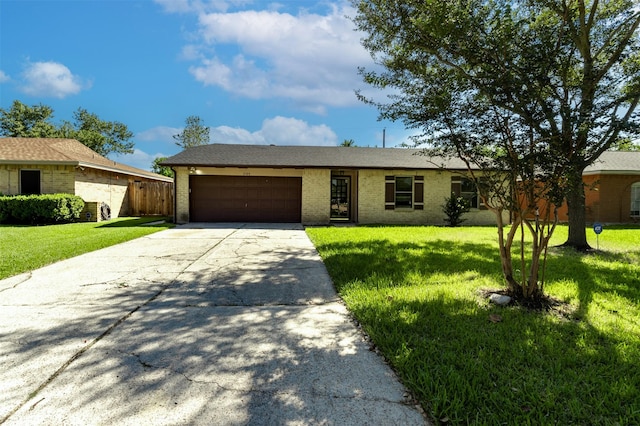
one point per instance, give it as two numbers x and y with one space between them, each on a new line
24 248
417 293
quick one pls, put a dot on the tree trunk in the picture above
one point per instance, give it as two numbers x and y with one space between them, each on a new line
577 237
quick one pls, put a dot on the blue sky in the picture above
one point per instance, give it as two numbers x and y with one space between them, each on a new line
256 72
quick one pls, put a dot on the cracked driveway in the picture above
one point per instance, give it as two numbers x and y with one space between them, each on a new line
200 324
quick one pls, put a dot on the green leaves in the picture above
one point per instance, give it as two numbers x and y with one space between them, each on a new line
104 137
195 133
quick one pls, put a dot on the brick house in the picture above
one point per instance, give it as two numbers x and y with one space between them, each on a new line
48 166
612 189
317 185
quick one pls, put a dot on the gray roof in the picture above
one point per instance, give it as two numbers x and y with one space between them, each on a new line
227 155
615 162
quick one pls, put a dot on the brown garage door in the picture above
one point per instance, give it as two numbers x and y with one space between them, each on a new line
245 199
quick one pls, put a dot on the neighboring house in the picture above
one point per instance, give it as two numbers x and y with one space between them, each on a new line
317 185
48 166
612 189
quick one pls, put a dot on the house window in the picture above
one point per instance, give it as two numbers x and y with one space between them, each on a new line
30 182
635 199
469 192
404 192
467 189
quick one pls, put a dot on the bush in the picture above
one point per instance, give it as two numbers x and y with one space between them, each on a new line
454 207
40 209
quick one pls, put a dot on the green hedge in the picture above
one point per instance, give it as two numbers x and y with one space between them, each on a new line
40 209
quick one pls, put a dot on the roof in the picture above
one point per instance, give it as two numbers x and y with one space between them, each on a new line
228 155
63 152
616 162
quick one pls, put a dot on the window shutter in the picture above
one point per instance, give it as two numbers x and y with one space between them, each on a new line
389 193
418 195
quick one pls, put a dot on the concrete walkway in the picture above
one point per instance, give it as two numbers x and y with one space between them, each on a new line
210 324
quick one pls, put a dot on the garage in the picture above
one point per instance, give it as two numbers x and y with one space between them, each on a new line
245 199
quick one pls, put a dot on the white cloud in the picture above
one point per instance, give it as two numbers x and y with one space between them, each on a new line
277 131
4 77
311 59
186 6
160 134
50 79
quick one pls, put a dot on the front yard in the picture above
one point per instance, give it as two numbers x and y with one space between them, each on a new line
418 293
24 248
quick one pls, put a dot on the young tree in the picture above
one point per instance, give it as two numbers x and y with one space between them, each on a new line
348 143
195 133
27 121
156 167
566 71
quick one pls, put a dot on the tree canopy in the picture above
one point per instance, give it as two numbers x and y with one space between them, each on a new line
156 167
102 136
195 133
557 82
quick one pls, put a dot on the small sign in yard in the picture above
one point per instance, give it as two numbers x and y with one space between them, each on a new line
597 228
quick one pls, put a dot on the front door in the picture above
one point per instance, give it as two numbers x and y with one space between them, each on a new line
340 198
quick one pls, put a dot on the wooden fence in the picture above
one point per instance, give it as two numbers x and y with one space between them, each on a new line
150 198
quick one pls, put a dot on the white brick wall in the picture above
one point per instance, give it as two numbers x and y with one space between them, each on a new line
316 195
437 186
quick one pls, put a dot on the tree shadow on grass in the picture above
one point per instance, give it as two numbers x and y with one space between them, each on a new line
530 368
527 369
604 273
349 261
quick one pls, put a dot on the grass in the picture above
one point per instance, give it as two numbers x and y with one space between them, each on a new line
417 293
24 248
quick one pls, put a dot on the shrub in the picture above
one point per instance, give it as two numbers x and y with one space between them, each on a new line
40 209
454 207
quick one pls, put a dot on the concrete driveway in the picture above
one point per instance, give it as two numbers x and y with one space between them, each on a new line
201 324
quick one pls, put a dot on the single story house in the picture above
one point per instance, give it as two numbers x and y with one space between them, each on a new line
317 185
48 166
612 189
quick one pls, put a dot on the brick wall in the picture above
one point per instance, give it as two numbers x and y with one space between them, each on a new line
182 194
607 198
437 186
53 179
103 187
316 193
316 196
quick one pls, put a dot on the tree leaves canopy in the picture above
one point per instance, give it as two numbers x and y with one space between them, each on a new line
104 137
556 78
195 133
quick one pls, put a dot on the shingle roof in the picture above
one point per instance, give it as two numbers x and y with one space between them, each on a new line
615 162
228 155
62 151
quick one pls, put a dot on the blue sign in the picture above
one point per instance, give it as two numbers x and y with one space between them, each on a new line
597 228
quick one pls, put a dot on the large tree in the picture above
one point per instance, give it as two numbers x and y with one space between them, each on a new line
566 71
194 133
27 121
102 136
